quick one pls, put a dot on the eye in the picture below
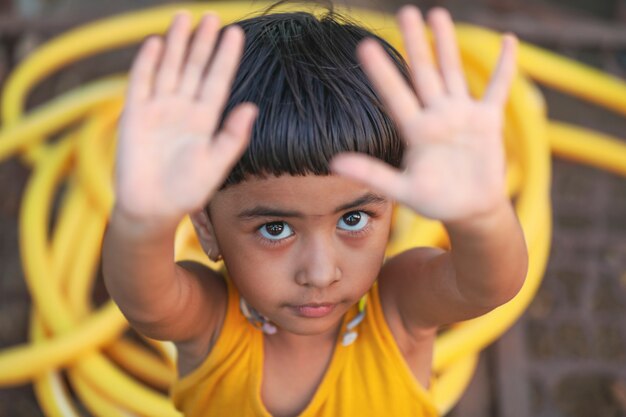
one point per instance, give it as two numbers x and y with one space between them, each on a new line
275 231
353 221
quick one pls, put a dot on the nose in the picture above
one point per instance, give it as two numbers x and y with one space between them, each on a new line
318 265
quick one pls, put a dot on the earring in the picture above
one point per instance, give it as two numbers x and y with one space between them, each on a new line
255 318
215 258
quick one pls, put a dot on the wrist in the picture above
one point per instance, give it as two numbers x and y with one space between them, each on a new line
138 226
482 222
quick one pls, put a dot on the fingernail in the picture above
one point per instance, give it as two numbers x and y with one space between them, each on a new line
210 16
181 14
235 28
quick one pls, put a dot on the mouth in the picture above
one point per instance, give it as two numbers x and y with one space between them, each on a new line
314 310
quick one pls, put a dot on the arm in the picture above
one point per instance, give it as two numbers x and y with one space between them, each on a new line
485 268
170 160
488 257
161 299
454 172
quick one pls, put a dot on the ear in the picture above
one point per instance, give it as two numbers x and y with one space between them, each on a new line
206 235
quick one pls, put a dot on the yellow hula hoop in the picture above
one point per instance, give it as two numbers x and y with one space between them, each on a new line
67 332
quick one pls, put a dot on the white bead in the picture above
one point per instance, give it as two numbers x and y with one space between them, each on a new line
349 338
268 328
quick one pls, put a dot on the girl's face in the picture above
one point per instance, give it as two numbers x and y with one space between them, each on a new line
301 250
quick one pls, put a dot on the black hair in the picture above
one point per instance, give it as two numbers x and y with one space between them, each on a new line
314 99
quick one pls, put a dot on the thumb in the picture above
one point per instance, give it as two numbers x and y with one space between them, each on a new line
371 172
231 141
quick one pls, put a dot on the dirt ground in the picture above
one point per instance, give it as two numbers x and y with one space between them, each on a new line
566 357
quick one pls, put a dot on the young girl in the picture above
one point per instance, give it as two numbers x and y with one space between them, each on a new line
325 128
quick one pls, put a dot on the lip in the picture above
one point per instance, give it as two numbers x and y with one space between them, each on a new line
314 310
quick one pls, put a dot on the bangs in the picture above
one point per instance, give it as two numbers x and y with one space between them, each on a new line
314 99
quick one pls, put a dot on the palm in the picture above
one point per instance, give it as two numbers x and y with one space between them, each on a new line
455 158
170 156
168 159
454 164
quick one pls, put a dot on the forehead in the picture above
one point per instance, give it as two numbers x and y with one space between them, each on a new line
308 194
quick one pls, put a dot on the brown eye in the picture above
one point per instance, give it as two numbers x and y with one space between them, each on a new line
275 230
353 221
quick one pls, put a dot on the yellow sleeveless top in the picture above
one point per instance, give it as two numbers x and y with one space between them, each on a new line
366 378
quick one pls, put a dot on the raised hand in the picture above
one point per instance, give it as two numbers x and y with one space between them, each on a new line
170 157
454 167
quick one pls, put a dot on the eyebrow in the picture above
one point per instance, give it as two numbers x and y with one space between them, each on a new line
264 211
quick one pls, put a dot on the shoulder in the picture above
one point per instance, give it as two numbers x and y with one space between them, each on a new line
209 287
406 269
399 282
208 311
403 279
406 263
212 282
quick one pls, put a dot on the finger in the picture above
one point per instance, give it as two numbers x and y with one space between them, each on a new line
231 141
447 52
219 78
501 80
372 172
175 47
396 94
143 70
425 75
203 44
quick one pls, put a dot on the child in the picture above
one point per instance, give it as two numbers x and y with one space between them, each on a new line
309 320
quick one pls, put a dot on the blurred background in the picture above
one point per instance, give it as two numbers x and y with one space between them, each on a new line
567 355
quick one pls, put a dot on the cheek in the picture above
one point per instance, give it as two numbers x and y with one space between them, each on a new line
363 259
255 273
364 262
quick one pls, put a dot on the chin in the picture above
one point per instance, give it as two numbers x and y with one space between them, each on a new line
312 326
